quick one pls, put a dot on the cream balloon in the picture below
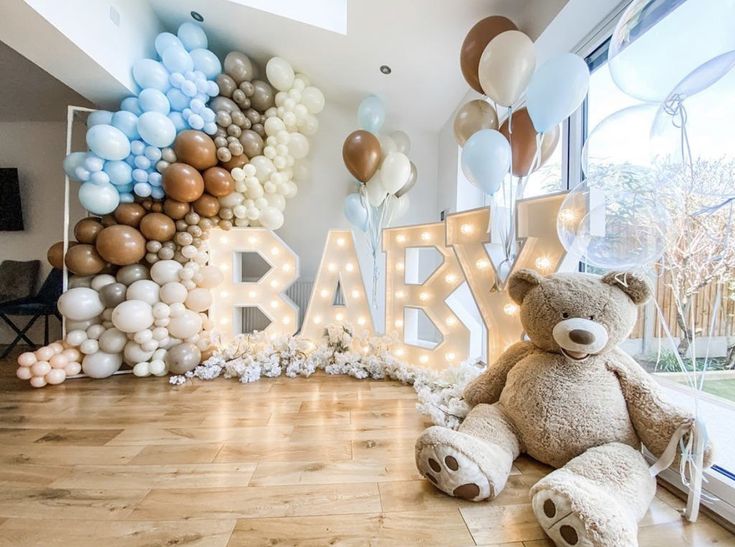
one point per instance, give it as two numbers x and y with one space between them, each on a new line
113 340
313 99
208 277
132 316
376 193
99 281
506 67
185 325
298 146
145 290
403 143
199 300
165 271
271 218
395 172
173 292
101 364
134 353
80 304
279 73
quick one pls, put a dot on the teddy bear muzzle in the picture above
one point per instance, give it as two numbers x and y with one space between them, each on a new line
579 338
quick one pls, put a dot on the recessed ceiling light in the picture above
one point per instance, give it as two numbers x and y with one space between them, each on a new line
197 16
385 69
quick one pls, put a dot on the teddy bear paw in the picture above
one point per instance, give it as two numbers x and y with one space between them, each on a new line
560 522
453 473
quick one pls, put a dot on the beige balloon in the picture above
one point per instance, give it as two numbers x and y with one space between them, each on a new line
506 67
473 116
549 142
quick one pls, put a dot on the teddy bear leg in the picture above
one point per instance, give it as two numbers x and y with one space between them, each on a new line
473 462
596 499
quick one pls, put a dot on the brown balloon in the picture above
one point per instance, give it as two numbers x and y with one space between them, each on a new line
175 209
55 254
86 230
108 220
471 118
157 227
361 154
549 142
218 181
182 182
236 161
195 148
121 245
474 44
206 205
263 97
252 143
83 259
129 214
522 142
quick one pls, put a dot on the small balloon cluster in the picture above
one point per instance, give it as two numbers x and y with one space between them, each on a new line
157 179
499 61
381 165
49 364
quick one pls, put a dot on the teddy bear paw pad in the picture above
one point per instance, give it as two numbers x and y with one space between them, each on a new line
554 512
453 473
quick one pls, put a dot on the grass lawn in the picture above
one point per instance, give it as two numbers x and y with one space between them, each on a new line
720 387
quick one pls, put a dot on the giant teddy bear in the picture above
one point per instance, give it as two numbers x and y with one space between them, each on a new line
570 398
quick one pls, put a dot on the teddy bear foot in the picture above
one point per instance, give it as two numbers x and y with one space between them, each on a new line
447 458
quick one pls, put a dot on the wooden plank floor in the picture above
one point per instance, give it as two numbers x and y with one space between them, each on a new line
325 460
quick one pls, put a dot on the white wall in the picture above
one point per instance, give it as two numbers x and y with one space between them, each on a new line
37 150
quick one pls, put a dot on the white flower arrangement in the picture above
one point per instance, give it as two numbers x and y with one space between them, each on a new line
341 351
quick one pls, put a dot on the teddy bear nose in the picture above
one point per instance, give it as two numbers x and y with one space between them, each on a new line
579 336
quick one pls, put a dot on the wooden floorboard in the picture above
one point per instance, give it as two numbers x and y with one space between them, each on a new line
318 461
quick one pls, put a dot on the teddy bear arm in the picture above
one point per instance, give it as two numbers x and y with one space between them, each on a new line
487 387
655 420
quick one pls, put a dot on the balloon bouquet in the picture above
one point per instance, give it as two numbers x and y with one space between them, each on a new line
499 61
660 179
384 173
195 149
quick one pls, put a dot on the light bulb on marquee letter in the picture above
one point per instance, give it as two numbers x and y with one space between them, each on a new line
339 267
540 249
266 294
430 297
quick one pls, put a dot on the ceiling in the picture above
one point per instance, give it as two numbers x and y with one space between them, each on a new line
418 39
30 93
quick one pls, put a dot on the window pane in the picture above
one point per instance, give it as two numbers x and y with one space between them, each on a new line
548 178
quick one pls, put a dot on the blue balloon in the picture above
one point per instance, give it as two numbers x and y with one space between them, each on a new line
196 122
155 179
140 175
176 79
177 99
127 122
137 148
127 198
212 88
99 177
486 159
189 88
82 174
142 189
192 36
130 104
371 114
141 162
108 142
210 128
355 212
71 162
125 188
179 122
157 192
207 62
164 41
557 89
93 163
153 100
150 73
99 199
99 117
177 59
120 172
153 153
156 129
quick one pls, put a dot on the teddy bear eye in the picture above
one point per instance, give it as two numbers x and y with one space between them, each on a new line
565 315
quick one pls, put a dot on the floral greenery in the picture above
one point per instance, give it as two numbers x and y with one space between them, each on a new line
341 351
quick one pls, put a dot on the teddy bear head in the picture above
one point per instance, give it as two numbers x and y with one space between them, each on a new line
578 314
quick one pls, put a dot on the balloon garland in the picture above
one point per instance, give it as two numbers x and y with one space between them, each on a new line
197 148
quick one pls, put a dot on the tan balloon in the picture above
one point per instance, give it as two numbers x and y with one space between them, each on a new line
121 245
475 43
55 254
182 182
206 205
175 209
506 67
195 148
83 259
86 230
218 181
239 67
129 214
252 143
549 142
263 97
522 141
473 116
158 227
362 154
108 220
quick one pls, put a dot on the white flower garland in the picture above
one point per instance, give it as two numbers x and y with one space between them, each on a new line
341 351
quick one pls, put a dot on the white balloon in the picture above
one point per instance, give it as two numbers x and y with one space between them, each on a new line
395 172
264 167
161 310
273 125
277 201
101 364
113 340
134 353
76 337
132 316
95 331
298 146
173 292
403 143
387 145
145 290
231 200
89 346
158 367
82 325
208 277
376 193
141 370
99 281
80 304
280 73
185 325
165 271
199 300
271 218
313 99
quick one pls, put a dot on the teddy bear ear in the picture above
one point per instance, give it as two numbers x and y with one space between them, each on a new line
521 282
635 286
